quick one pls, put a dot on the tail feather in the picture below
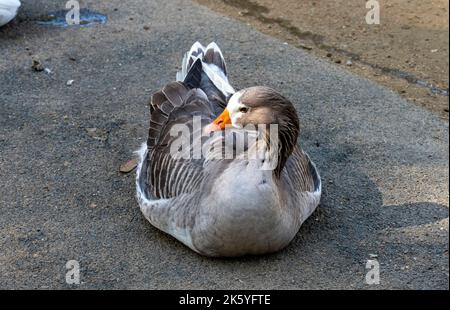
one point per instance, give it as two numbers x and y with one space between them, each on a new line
213 65
213 55
197 51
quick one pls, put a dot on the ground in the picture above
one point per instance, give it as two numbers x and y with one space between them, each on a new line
407 51
383 159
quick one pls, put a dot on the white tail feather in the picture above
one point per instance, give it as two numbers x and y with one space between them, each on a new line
219 79
181 75
215 74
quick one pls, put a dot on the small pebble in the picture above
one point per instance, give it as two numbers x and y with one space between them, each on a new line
69 82
37 66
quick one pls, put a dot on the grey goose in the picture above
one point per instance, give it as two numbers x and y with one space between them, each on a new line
224 206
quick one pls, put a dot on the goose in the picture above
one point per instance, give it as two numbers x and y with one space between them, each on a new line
233 206
8 10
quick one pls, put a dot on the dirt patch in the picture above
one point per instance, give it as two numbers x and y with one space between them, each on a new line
407 51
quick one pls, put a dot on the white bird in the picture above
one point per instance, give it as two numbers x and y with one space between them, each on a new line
8 10
224 206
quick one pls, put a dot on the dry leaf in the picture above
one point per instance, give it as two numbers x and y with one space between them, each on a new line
128 166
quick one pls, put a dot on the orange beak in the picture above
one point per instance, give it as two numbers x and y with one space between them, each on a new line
219 123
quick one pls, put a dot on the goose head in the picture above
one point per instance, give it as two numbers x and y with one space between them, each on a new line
262 106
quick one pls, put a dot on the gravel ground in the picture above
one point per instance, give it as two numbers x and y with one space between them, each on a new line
383 160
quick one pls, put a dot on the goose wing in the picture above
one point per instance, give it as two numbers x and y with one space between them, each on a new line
302 181
178 114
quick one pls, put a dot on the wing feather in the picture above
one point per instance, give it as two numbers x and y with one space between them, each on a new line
167 175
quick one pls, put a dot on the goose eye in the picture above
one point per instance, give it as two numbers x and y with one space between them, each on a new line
243 109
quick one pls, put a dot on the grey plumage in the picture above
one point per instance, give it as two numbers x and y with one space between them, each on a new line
227 206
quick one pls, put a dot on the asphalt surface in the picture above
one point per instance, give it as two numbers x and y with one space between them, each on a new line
384 161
